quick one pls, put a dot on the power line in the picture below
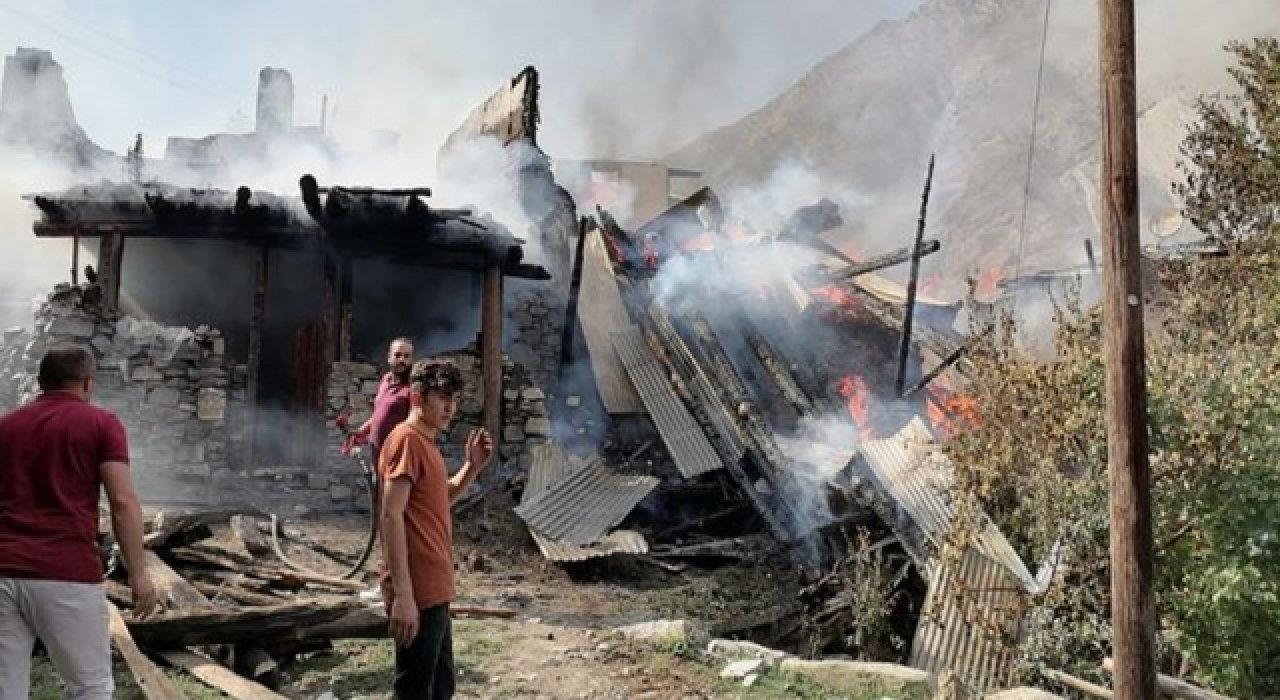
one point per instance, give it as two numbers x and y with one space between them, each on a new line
189 86
1031 152
172 65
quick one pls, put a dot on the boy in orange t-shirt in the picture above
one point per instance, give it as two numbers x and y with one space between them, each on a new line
417 531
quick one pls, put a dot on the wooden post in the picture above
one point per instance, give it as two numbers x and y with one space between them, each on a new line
568 333
904 349
110 264
491 350
345 312
257 322
75 260
1133 612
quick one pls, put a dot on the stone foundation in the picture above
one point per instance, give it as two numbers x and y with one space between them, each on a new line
173 388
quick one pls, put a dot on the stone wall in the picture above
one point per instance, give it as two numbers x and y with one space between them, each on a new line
535 323
173 388
352 387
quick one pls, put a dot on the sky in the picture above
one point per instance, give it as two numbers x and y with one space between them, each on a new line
621 78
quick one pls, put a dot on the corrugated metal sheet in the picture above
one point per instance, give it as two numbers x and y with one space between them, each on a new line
684 438
550 464
580 508
601 312
970 622
916 475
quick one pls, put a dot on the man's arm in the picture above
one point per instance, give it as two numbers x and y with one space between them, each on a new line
460 482
395 547
126 524
479 454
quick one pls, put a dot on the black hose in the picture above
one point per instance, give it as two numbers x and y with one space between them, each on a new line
375 510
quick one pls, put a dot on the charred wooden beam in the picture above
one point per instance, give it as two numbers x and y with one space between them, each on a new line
346 295
787 385
491 351
401 192
897 257
257 327
568 333
759 436
934 373
904 349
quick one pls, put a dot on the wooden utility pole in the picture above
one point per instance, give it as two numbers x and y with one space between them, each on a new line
1133 614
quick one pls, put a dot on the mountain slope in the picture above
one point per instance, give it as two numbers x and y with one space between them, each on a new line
957 78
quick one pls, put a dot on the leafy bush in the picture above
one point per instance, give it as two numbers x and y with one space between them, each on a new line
1037 459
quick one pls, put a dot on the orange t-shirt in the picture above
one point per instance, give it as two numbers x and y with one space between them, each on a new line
408 453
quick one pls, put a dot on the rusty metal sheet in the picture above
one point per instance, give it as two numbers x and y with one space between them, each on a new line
684 438
916 475
551 464
581 507
601 312
970 622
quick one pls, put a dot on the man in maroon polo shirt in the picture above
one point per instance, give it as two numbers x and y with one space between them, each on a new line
55 455
391 405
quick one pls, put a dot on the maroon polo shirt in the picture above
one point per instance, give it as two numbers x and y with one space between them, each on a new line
51 452
390 408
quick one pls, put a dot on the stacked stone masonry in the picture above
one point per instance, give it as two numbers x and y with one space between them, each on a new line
352 387
172 388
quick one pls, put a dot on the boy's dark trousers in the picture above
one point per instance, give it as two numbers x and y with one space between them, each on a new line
424 669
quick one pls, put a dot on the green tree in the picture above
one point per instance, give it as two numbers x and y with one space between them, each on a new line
1232 155
1037 460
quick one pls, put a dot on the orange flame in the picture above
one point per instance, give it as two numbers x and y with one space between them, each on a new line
854 390
848 305
700 243
949 412
988 283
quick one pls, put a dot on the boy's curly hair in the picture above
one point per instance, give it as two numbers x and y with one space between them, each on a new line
436 375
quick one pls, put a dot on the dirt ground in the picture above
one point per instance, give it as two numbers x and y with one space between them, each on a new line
563 642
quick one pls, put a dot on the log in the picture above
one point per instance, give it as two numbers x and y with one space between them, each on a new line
249 625
239 595
279 626
285 578
172 591
735 548
220 677
248 536
1175 687
150 679
183 530
1078 684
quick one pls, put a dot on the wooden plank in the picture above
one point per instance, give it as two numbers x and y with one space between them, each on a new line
249 625
346 318
150 679
601 312
257 326
220 677
172 591
491 352
1175 687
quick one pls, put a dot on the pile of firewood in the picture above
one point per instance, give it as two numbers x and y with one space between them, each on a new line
232 609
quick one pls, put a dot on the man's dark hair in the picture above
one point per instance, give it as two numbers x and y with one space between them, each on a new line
65 365
436 375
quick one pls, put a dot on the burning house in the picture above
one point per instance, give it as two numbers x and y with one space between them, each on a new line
234 327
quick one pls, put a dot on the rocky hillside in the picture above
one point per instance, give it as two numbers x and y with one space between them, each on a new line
957 78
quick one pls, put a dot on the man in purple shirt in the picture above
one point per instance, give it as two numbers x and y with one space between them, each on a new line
391 405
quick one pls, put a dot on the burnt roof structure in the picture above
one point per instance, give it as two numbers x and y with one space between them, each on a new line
345 222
